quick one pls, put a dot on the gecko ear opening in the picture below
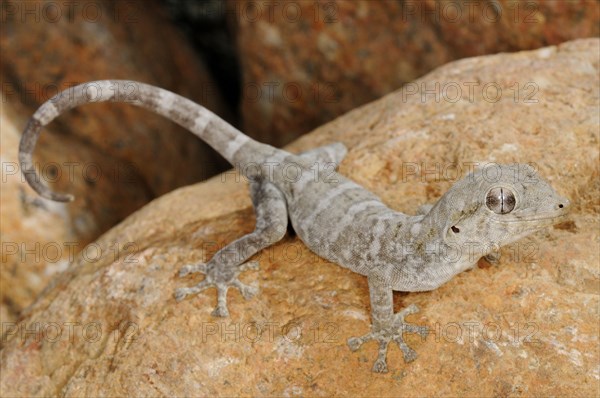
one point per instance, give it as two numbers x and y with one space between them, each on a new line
453 229
451 233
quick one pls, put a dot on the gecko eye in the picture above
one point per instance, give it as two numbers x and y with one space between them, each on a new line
500 200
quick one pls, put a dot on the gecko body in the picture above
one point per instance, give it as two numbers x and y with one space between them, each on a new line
335 217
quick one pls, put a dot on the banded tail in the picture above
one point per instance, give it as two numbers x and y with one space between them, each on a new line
213 130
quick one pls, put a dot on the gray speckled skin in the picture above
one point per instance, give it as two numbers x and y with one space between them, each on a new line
335 217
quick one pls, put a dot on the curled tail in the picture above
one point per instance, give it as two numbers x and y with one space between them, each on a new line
217 133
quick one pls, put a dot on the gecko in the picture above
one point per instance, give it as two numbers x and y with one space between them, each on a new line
333 216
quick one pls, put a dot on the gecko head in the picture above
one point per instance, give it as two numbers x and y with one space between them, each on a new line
499 204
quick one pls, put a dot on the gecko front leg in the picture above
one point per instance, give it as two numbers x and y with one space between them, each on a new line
223 269
387 326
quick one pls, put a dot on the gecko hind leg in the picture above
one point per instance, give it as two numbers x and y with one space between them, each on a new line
223 269
387 326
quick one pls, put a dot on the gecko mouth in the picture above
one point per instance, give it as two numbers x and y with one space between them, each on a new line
546 220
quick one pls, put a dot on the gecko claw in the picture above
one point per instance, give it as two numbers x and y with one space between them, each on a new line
221 309
220 312
380 366
408 353
181 293
422 331
393 331
221 278
411 309
354 343
247 291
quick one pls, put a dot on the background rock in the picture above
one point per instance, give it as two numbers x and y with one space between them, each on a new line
305 63
526 327
119 156
204 23
31 228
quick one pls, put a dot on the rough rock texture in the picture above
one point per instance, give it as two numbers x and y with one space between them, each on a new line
304 63
525 327
111 156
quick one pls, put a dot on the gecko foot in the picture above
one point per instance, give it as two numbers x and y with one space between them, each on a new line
220 277
391 332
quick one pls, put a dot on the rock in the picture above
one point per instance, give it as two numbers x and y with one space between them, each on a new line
523 327
111 156
204 23
25 270
122 42
305 63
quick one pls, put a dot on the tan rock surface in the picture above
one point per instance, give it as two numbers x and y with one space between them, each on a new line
112 157
306 62
527 327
